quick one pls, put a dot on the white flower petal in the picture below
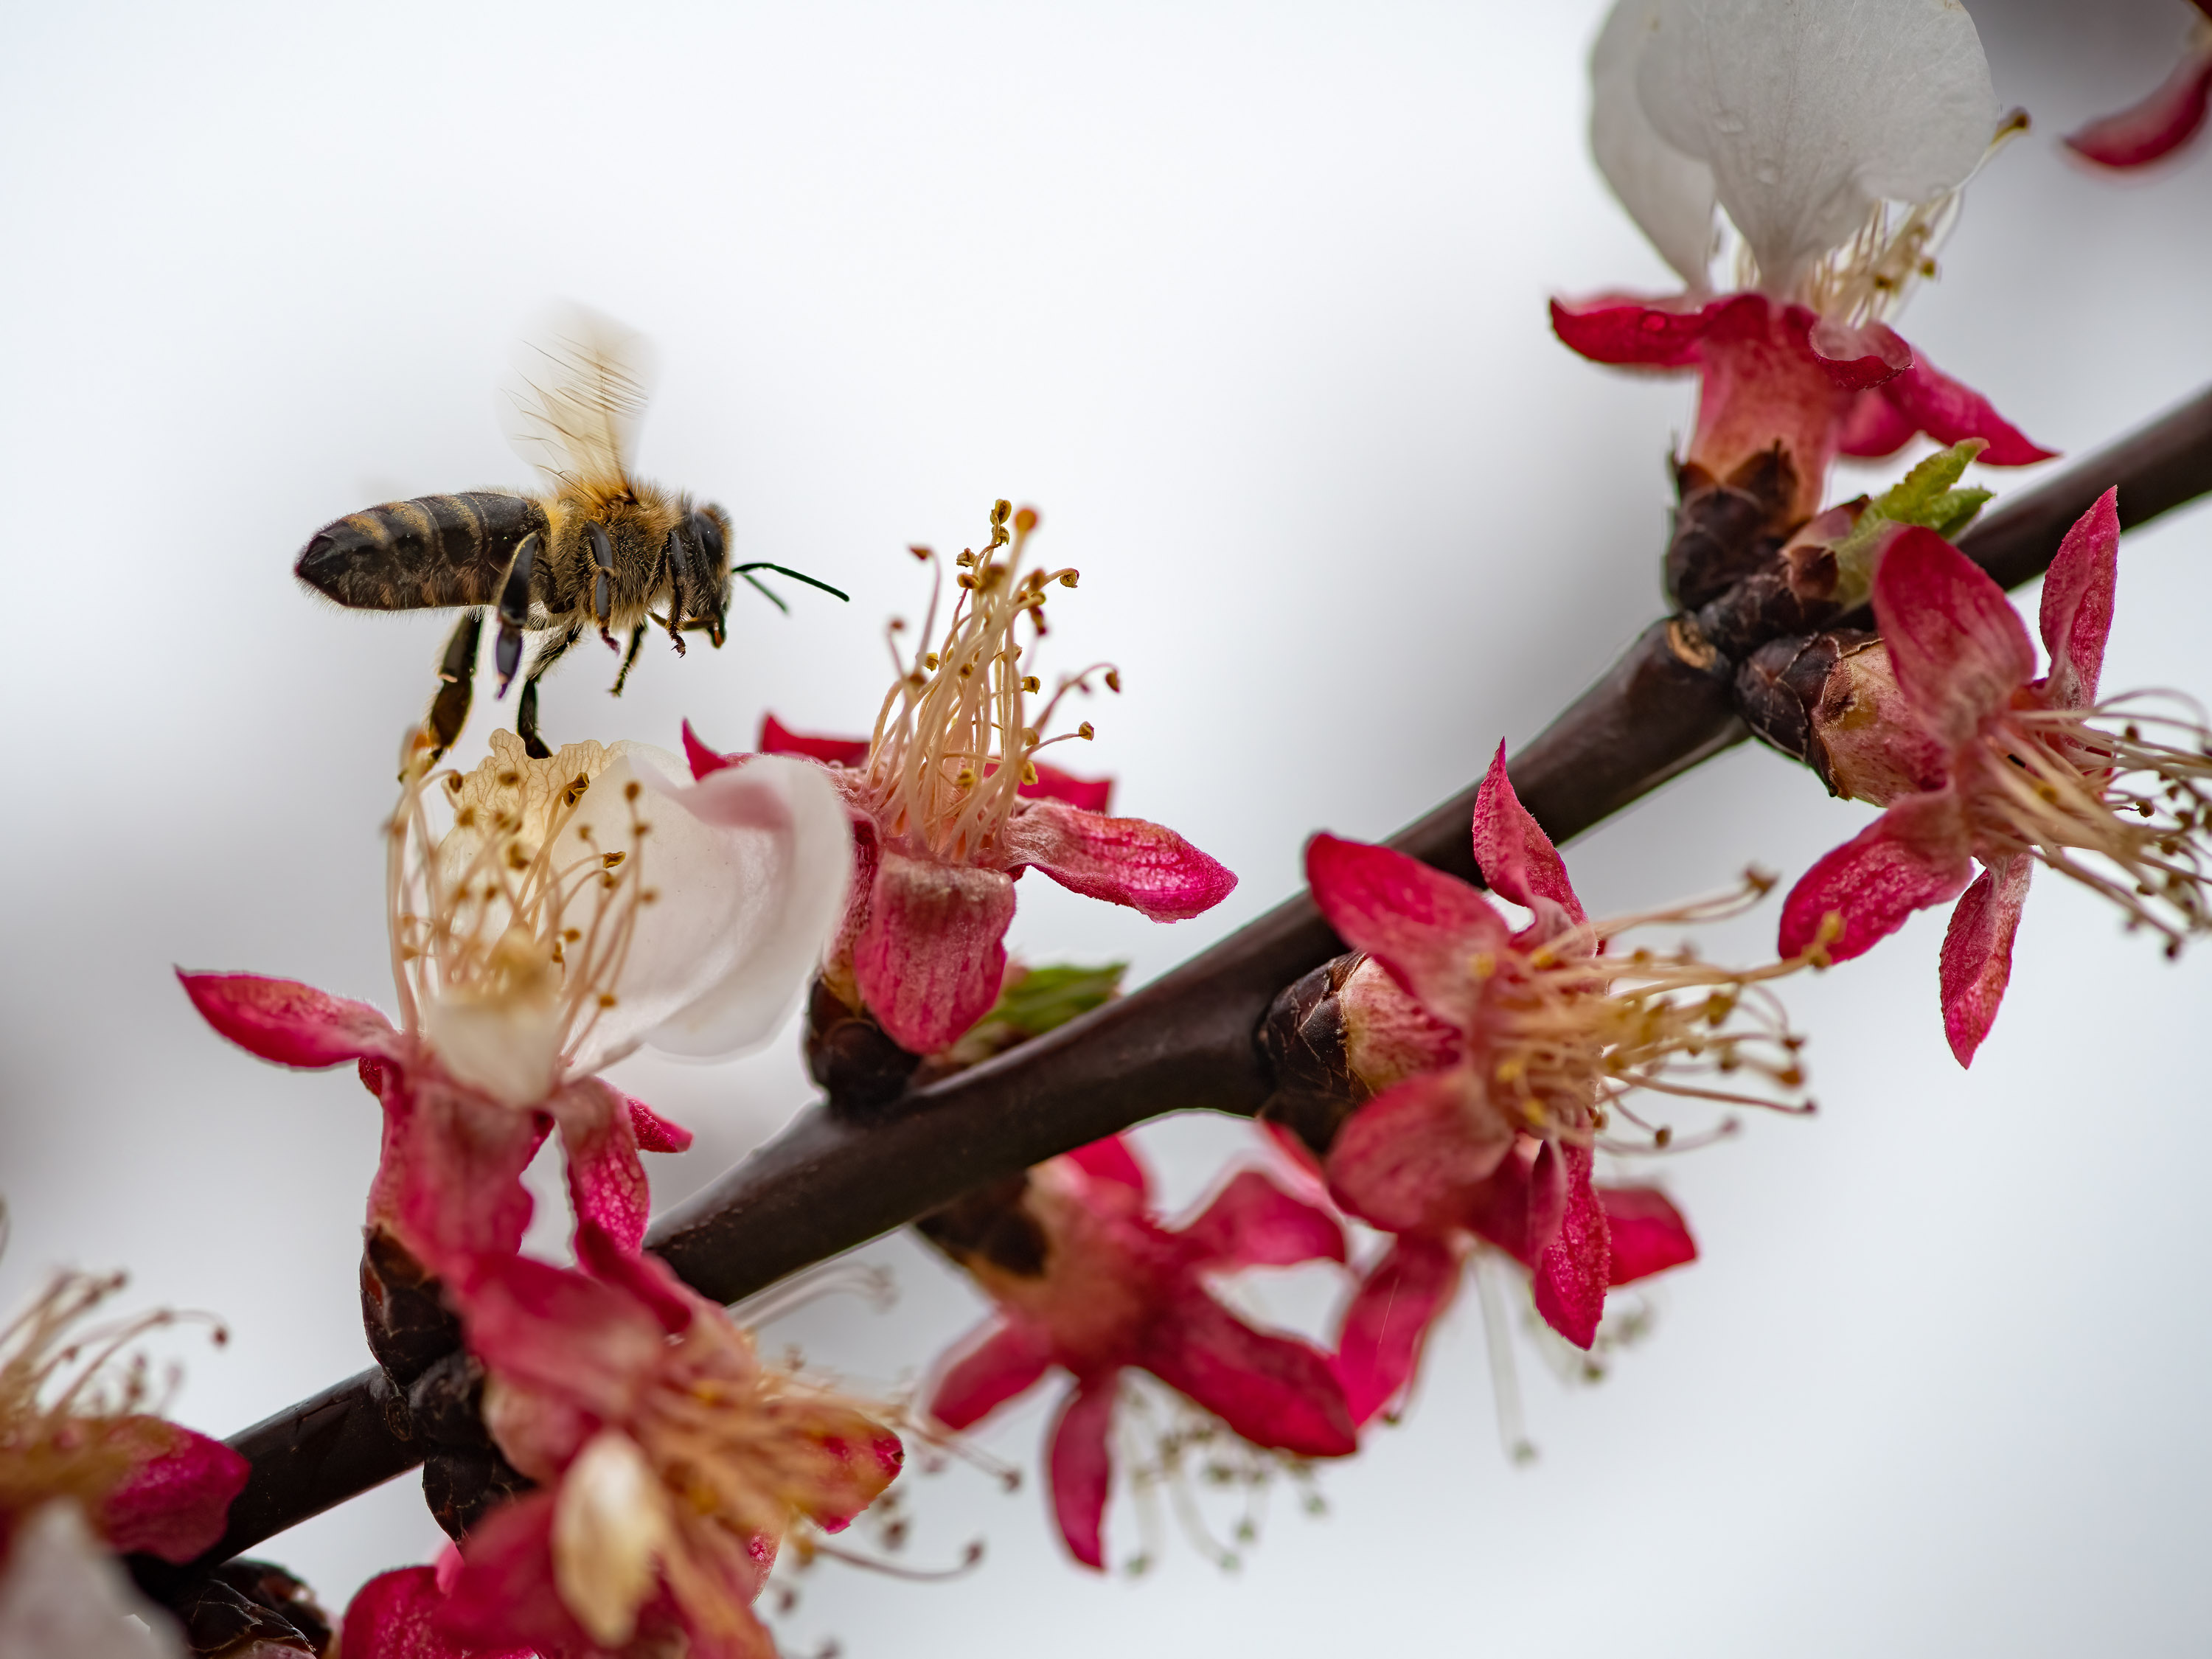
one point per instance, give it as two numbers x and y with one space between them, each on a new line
62 1596
1669 194
1808 111
610 1526
509 1047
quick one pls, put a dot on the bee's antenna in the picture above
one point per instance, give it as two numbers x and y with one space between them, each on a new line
766 592
796 575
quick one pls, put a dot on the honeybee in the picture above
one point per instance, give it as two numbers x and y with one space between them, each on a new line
596 550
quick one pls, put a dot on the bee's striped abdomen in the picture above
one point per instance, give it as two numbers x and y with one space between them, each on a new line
409 556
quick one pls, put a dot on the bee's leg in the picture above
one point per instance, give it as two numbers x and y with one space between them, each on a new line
636 640
525 712
514 610
603 583
677 557
449 709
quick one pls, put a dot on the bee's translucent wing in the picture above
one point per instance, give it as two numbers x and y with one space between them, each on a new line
574 402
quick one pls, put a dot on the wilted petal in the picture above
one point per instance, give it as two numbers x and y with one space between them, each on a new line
284 1021
1514 855
1082 1466
1406 1159
1577 1266
1274 1390
1648 1233
2162 124
395 1616
1006 1358
1253 1223
1957 646
176 1500
1916 854
1925 399
930 957
1977 960
2077 604
1807 114
1669 194
1379 1345
1144 866
62 1596
1424 927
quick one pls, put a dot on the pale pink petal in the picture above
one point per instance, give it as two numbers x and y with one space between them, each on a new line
2158 126
1379 1346
1409 1158
1144 866
2077 615
1253 1223
1649 1234
1951 413
1082 1466
556 1331
175 1501
1092 794
1855 359
290 1023
930 957
1976 961
606 1179
654 1132
1632 333
1958 647
776 739
1914 855
1112 1160
1275 1391
1514 855
644 1277
1424 927
1005 1358
395 1616
1577 1266
506 1594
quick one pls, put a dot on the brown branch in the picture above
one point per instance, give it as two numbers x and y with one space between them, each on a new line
835 1180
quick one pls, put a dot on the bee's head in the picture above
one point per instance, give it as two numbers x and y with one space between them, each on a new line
701 577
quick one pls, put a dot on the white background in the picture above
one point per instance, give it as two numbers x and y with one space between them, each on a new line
1249 299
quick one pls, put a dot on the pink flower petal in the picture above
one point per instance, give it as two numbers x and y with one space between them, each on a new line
2158 126
395 1616
449 1180
1976 961
506 1594
930 957
1082 1468
556 1331
1407 1159
1092 794
1253 1223
1379 1346
1957 646
175 1501
654 1132
646 1277
1130 861
1875 425
1423 926
1577 1266
1914 855
1521 1207
1648 1232
1004 1359
1632 333
1514 855
704 762
1274 1390
290 1023
607 1180
2077 604
776 739
1112 1160
1855 359
1950 413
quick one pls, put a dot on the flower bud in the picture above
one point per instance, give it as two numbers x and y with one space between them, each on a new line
1832 700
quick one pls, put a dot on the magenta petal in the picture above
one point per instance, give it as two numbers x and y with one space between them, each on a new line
175 1501
1521 1208
1875 425
1951 413
1648 1233
1274 1390
1253 1223
1958 648
395 1615
704 762
1630 333
1407 1159
646 1277
1858 359
929 958
654 1132
1514 855
2077 615
1005 1358
2162 124
505 1598
1130 861
556 1331
1112 1160
1976 961
776 739
1092 794
1423 926
1914 854
449 1181
607 1180
284 1021
1577 1266
1379 1346
1082 1466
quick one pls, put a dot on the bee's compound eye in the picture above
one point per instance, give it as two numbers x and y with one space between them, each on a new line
708 535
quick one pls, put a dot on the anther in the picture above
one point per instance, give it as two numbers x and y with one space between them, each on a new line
1086 731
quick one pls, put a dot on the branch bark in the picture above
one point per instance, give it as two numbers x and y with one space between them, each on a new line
835 1180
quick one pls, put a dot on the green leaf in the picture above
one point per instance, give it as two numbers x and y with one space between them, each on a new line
1045 998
